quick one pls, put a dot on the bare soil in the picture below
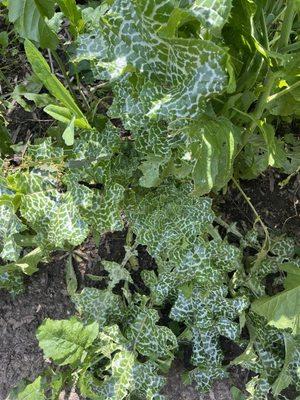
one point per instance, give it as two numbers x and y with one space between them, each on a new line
45 297
278 206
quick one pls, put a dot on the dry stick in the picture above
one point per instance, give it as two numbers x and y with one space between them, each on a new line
266 245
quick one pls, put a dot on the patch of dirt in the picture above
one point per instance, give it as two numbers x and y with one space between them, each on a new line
45 297
279 207
24 126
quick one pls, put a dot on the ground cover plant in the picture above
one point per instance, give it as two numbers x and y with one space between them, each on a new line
156 107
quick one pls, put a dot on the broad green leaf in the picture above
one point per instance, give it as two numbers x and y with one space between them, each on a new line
33 391
174 76
293 275
29 263
46 8
149 339
55 87
66 341
29 21
281 310
68 134
236 394
151 171
30 90
213 144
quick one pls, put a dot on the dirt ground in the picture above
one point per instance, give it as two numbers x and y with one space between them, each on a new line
45 296
278 206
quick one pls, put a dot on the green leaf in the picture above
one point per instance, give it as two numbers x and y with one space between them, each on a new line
101 306
46 8
30 23
66 341
151 171
117 273
29 263
281 310
68 134
236 394
174 76
71 277
293 275
9 227
55 217
268 133
65 115
213 144
284 379
5 140
213 14
72 12
149 339
3 40
33 391
55 87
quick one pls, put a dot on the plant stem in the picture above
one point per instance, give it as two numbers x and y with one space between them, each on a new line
283 92
265 30
287 24
261 105
63 70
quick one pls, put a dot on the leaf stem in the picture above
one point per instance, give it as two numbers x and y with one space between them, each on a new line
287 24
283 92
261 105
63 70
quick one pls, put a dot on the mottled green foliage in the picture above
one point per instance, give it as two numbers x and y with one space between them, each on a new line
101 306
187 114
148 338
10 226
